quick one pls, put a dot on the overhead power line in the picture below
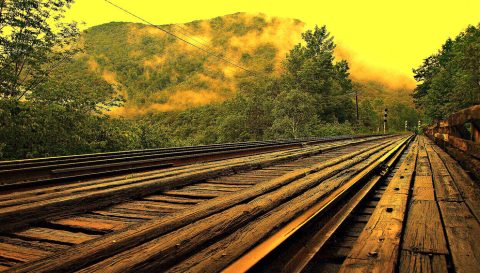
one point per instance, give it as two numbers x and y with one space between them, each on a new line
197 39
209 53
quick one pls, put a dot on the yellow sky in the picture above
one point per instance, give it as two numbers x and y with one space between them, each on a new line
391 35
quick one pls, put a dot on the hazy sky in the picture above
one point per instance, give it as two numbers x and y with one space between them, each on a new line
390 35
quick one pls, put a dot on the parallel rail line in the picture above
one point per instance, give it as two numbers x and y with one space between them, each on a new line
281 210
70 168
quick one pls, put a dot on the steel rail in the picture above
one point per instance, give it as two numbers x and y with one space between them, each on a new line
252 257
65 172
25 162
302 258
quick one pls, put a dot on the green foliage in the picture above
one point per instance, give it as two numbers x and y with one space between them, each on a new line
65 113
49 105
73 89
34 39
293 111
450 79
369 118
311 68
30 131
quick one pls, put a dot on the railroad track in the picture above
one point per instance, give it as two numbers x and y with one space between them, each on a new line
235 215
323 242
41 171
420 213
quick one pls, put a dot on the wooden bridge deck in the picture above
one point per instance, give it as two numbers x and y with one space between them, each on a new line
377 204
434 222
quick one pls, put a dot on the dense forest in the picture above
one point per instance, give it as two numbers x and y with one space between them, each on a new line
449 80
59 87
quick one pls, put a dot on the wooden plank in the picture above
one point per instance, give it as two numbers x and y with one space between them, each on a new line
232 181
129 214
208 189
463 233
424 234
465 115
172 199
423 165
469 190
414 262
20 253
461 225
55 235
18 216
151 206
92 224
423 188
223 185
116 242
469 147
445 187
220 254
46 246
378 246
193 194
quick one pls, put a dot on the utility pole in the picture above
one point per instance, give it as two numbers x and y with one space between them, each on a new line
356 102
385 121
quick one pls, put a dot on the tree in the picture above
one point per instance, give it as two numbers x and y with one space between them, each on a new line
311 68
368 116
294 114
450 79
34 40
49 103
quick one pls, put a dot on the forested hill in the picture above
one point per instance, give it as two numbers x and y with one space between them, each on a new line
156 72
67 102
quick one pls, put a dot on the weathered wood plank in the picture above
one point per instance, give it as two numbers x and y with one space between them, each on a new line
46 246
92 224
221 253
414 262
55 235
468 189
230 186
172 199
20 253
156 206
377 247
109 245
463 232
129 214
208 189
423 188
424 244
445 187
461 225
193 194
424 234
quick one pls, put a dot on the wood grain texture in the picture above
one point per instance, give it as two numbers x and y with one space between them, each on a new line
108 245
377 247
469 190
424 230
414 262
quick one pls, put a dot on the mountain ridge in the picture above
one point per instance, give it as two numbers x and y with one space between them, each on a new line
156 72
